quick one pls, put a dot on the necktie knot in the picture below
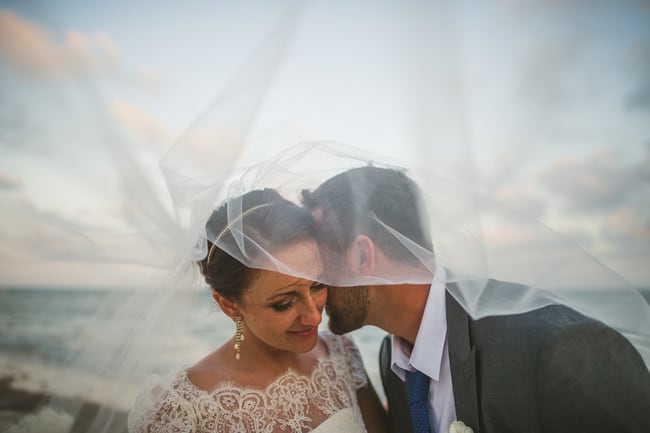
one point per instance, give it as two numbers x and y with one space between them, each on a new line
418 385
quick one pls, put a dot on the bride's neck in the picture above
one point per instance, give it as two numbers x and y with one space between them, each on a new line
257 356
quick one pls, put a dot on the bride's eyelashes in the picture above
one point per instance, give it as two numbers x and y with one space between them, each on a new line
316 287
283 305
286 304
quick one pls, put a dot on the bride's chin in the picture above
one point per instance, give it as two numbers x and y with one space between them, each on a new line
304 345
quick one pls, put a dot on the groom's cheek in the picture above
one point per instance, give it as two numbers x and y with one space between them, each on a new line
333 296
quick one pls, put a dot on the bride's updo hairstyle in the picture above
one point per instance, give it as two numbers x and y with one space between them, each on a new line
269 221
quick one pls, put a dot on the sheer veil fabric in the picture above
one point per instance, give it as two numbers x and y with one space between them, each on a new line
387 84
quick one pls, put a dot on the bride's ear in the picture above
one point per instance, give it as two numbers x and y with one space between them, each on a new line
360 256
227 306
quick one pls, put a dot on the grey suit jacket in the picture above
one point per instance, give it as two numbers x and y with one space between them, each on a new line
550 370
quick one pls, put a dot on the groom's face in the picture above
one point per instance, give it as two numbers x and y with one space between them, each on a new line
347 308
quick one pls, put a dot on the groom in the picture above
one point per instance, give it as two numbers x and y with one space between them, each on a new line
548 370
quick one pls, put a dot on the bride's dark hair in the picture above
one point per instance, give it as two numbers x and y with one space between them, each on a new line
273 222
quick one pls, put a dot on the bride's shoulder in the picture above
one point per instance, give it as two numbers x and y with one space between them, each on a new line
210 372
345 353
157 397
163 384
337 344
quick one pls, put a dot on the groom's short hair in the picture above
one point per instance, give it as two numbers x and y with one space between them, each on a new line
349 202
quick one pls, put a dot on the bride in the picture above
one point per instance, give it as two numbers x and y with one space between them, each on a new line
276 373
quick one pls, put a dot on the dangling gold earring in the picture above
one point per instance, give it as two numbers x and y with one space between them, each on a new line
239 335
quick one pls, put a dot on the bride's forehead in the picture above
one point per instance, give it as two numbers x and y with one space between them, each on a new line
300 259
278 280
304 247
268 283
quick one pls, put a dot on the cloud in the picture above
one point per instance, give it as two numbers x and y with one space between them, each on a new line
17 129
531 252
599 181
571 67
504 179
30 50
8 183
523 200
101 235
49 249
35 233
639 97
644 167
604 202
149 79
628 228
141 126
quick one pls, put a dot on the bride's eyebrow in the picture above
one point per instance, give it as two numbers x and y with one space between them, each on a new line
277 295
289 292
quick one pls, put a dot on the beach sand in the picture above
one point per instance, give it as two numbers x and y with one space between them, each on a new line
16 404
28 387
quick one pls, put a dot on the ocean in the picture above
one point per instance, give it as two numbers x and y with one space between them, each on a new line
40 331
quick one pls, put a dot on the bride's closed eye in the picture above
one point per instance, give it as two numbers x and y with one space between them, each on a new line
316 286
289 302
284 305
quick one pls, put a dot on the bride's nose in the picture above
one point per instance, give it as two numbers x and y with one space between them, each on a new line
310 314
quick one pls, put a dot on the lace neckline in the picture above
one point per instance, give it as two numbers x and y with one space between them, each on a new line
291 402
326 337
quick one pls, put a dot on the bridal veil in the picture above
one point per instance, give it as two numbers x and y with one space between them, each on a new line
477 102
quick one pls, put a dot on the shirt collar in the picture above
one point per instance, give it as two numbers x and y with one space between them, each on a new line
427 352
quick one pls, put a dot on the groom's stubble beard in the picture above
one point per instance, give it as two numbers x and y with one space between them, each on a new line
347 308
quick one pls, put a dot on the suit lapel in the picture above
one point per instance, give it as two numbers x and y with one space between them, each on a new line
462 359
396 393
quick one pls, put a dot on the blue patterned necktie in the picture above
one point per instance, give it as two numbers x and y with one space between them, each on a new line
418 391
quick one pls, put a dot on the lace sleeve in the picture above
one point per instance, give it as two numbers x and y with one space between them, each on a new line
354 362
160 408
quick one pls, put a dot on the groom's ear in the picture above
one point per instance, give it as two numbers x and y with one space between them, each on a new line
360 257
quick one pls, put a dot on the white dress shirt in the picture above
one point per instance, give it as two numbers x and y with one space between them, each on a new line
430 355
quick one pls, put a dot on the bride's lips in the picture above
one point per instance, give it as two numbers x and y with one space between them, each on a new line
305 333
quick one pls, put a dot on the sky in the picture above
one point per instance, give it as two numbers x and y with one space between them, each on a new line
542 105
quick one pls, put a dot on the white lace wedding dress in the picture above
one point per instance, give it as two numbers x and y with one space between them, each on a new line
325 402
